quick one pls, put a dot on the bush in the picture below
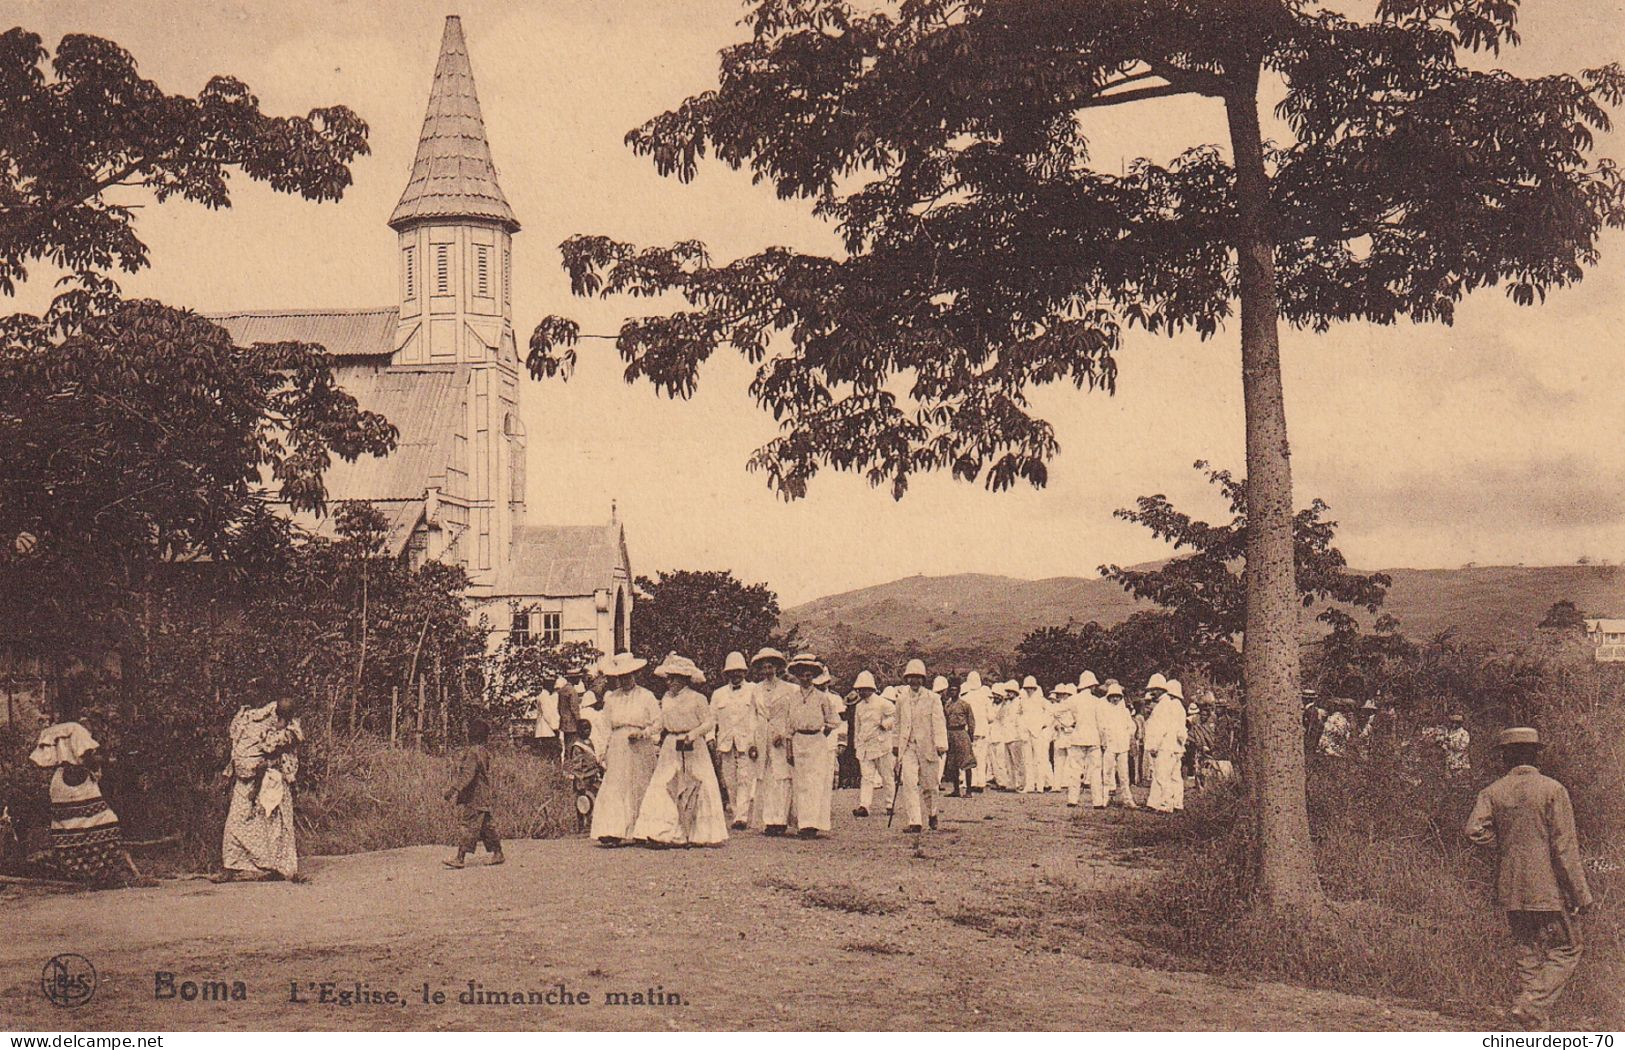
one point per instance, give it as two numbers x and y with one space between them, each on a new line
1412 912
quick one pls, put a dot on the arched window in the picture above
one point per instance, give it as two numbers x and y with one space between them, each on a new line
620 621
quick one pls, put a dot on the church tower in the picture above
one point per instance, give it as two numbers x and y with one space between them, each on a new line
455 230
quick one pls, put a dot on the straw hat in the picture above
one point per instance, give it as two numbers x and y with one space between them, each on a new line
1066 689
1113 689
735 662
1087 680
767 653
1029 682
1155 683
621 664
1174 689
1517 735
915 667
865 681
822 680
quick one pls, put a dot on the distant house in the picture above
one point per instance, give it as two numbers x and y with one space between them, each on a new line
1607 638
443 367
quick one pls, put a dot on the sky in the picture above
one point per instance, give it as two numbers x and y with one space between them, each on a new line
1496 441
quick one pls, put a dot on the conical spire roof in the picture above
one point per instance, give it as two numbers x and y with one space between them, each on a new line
452 175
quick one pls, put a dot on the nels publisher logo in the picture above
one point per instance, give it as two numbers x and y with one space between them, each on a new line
68 980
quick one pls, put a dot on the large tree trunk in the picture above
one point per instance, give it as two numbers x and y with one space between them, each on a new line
1270 649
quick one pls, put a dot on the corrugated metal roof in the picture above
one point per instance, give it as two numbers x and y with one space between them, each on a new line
424 404
452 174
559 561
345 333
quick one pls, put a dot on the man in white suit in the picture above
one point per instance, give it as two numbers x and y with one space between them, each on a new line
922 741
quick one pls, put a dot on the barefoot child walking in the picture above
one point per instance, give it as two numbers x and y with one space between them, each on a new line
471 790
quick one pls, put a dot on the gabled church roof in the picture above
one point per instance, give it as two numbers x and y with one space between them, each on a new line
452 175
562 561
345 333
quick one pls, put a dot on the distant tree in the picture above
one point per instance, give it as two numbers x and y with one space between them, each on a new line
1147 642
705 616
986 252
522 669
1205 591
92 126
1563 616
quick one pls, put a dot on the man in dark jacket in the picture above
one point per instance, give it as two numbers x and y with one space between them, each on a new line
471 790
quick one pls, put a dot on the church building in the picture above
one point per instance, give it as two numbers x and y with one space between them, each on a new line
443 367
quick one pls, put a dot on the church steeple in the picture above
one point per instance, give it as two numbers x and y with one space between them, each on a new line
454 233
452 175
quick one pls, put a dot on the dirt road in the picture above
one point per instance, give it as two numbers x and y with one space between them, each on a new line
987 924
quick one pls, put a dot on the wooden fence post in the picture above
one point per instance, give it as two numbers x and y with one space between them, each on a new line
440 697
394 711
422 691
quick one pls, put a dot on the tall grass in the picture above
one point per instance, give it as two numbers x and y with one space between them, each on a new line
1411 903
374 797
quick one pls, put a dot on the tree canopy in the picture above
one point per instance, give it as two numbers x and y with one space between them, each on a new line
146 436
92 126
986 254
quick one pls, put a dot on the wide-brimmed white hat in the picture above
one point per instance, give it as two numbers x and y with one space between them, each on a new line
674 664
1029 682
1087 680
1174 689
734 662
939 684
1066 689
621 664
822 680
1113 689
865 681
915 667
973 681
804 660
1156 682
767 652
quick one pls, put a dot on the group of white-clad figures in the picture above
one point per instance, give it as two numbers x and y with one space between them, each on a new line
774 741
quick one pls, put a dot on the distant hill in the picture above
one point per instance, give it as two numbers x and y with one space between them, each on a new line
981 618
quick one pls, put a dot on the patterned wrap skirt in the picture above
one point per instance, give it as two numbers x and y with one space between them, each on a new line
960 753
85 839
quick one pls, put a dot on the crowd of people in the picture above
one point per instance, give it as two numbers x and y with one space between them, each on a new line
770 745
773 741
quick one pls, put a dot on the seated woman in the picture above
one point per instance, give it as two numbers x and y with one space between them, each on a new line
683 805
86 843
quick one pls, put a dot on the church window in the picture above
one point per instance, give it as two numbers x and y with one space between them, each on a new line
482 271
409 268
552 628
442 269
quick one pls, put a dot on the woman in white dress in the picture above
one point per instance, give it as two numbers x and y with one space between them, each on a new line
685 719
632 716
